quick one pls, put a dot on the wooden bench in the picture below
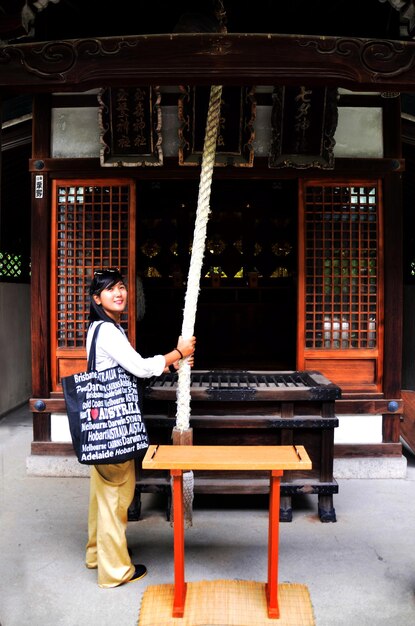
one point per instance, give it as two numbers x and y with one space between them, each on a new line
272 459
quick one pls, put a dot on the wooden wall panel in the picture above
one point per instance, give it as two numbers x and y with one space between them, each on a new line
349 374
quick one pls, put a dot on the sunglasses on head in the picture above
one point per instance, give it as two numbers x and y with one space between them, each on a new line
107 270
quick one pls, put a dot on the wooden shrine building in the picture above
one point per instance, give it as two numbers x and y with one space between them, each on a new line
303 269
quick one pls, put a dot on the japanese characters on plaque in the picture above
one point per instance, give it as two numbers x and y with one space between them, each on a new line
130 126
234 144
303 121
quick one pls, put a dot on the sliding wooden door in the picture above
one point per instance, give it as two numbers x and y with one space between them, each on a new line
93 226
340 321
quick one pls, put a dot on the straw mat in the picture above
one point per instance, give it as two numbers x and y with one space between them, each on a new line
226 603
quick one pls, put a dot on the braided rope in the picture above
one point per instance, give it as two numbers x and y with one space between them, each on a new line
198 249
188 496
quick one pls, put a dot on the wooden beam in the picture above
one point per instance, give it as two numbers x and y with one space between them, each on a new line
52 448
208 58
87 167
381 450
359 406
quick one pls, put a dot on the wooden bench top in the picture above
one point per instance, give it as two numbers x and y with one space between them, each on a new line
177 457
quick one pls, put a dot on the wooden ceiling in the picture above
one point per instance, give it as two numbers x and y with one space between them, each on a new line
51 20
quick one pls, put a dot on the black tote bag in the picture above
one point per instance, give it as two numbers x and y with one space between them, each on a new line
104 413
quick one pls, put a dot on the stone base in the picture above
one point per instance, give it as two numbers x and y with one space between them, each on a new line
370 467
57 466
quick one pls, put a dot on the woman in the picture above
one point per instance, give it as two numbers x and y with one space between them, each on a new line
112 486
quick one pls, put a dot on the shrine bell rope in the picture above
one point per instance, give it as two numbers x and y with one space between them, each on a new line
183 396
198 248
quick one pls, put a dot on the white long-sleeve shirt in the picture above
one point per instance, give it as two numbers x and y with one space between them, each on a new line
113 348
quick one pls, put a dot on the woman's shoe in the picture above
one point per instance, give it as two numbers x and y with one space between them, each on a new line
140 572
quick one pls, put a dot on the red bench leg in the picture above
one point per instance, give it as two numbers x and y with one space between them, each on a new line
273 536
178 537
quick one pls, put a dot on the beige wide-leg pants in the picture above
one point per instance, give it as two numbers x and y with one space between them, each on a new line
111 493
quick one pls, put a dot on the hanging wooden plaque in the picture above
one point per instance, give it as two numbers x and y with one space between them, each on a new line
236 128
303 120
130 127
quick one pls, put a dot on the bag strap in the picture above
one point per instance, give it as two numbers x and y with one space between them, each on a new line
92 349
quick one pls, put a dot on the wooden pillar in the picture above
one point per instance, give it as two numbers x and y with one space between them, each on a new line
40 264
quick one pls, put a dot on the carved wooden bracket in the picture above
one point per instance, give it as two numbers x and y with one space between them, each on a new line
207 59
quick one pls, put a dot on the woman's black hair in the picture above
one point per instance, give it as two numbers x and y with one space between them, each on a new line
103 279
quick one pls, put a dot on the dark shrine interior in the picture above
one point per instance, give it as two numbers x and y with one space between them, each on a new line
246 312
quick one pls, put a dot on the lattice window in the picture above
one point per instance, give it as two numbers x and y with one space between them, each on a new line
91 230
341 267
14 267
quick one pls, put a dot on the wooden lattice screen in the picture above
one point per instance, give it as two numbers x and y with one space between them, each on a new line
342 271
93 226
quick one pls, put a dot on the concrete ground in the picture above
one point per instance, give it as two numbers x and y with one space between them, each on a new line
360 571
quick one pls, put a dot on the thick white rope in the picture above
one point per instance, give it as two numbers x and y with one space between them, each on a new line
198 248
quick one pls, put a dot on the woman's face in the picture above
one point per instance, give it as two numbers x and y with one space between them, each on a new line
113 300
